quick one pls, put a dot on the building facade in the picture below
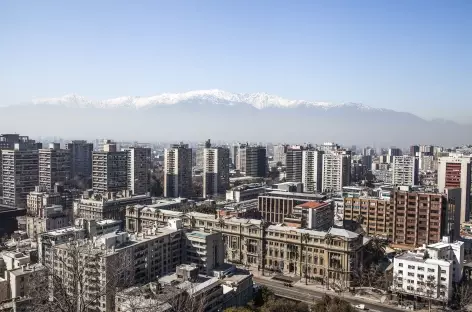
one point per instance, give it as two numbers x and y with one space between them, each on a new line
294 164
331 256
139 165
215 171
312 170
405 170
81 158
178 171
252 160
336 171
20 175
455 172
54 166
423 218
110 170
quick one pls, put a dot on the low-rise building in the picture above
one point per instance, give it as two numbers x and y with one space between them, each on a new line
429 272
275 206
245 192
53 217
312 215
108 205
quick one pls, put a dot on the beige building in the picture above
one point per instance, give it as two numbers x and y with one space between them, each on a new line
109 170
215 171
325 255
205 249
54 217
108 205
118 259
39 199
373 214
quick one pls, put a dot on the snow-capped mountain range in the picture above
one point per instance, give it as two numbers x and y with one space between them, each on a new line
257 100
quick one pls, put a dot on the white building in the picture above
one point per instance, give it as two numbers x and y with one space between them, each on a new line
430 271
336 171
312 170
456 172
215 171
405 170
178 171
280 153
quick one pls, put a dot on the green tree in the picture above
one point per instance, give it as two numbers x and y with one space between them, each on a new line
332 304
376 248
282 305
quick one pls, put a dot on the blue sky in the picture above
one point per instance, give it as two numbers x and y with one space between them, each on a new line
411 56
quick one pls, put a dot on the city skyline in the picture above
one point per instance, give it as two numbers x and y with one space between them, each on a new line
410 57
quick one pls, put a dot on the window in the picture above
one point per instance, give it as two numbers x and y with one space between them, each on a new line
411 267
411 274
443 279
443 271
430 270
400 265
420 268
400 272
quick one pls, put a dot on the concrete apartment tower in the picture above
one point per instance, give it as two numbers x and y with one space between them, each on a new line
280 153
109 169
81 158
455 172
20 174
312 170
215 171
139 165
54 166
8 141
252 160
294 158
405 170
336 171
178 171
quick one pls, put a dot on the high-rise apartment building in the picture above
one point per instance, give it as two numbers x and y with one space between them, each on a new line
8 141
215 171
405 170
414 149
199 157
20 174
312 170
178 171
393 151
294 163
336 171
455 172
139 165
252 160
280 153
81 158
54 166
373 214
423 218
109 170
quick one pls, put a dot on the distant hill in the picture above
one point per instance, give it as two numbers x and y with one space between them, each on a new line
221 115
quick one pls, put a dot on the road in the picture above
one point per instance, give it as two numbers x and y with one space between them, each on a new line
308 296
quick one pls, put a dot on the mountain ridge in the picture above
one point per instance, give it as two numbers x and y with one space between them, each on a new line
259 100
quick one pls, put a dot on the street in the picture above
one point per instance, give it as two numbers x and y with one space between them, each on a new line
309 296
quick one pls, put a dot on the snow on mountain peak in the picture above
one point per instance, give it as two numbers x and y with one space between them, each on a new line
258 100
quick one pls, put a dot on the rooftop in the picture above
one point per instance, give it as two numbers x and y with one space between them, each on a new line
313 205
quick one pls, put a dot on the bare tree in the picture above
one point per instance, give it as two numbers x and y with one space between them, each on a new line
78 279
463 296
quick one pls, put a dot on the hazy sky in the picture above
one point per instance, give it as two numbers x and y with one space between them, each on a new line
406 55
